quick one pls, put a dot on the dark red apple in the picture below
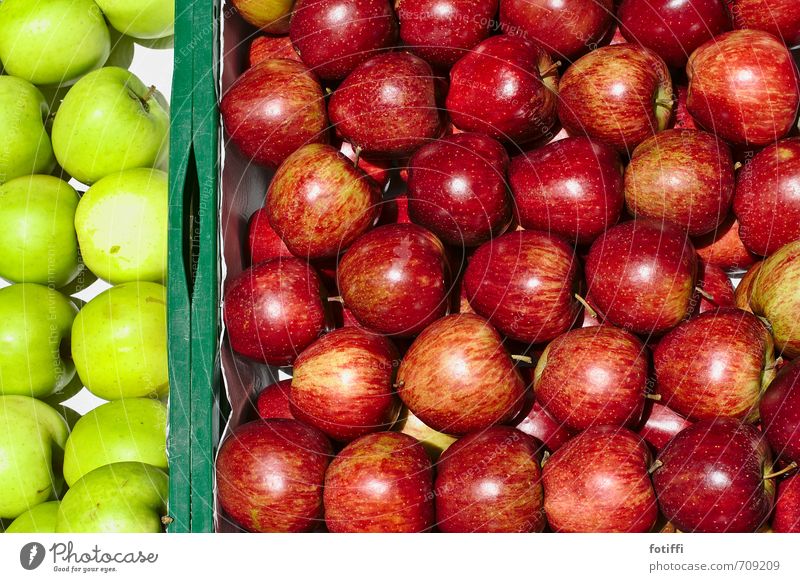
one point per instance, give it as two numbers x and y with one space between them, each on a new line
507 88
710 478
717 289
787 506
382 482
524 283
263 241
620 95
342 384
572 187
394 279
270 475
673 28
767 201
442 31
273 109
780 413
682 176
457 188
778 17
593 376
724 248
567 29
598 482
457 377
641 276
319 203
539 424
388 106
490 481
661 424
743 86
274 310
273 401
333 37
265 47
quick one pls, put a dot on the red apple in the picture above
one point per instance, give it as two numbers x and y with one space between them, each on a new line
273 401
271 16
457 188
778 17
265 48
319 203
673 28
780 413
641 276
724 248
490 481
263 241
572 187
682 118
539 424
661 424
457 377
710 478
744 289
273 109
382 482
270 475
717 289
394 279
388 106
274 310
767 201
506 87
598 482
524 282
787 506
333 37
620 95
682 176
743 86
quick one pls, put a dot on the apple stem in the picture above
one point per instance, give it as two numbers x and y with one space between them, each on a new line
737 165
524 359
399 384
150 92
166 520
786 469
655 397
549 71
328 91
336 298
358 156
705 294
586 306
655 466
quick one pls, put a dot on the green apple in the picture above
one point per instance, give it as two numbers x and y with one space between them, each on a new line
132 429
37 231
119 342
52 42
39 519
25 146
122 226
109 122
35 324
124 497
140 18
32 439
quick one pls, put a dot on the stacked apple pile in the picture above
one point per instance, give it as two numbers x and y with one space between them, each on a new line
102 132
496 252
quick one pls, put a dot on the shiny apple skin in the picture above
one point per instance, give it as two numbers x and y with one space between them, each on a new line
490 482
567 30
457 378
743 86
572 187
598 482
523 283
274 310
661 425
724 248
262 240
388 106
711 478
270 475
273 109
715 283
507 88
767 201
673 29
540 425
457 188
265 47
593 376
273 401
333 37
780 413
610 95
682 176
319 204
787 507
382 482
777 17
442 31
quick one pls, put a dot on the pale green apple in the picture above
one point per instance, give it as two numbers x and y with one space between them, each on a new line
37 231
52 42
122 226
119 342
25 146
271 16
32 439
39 519
35 324
140 18
124 497
109 122
132 429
